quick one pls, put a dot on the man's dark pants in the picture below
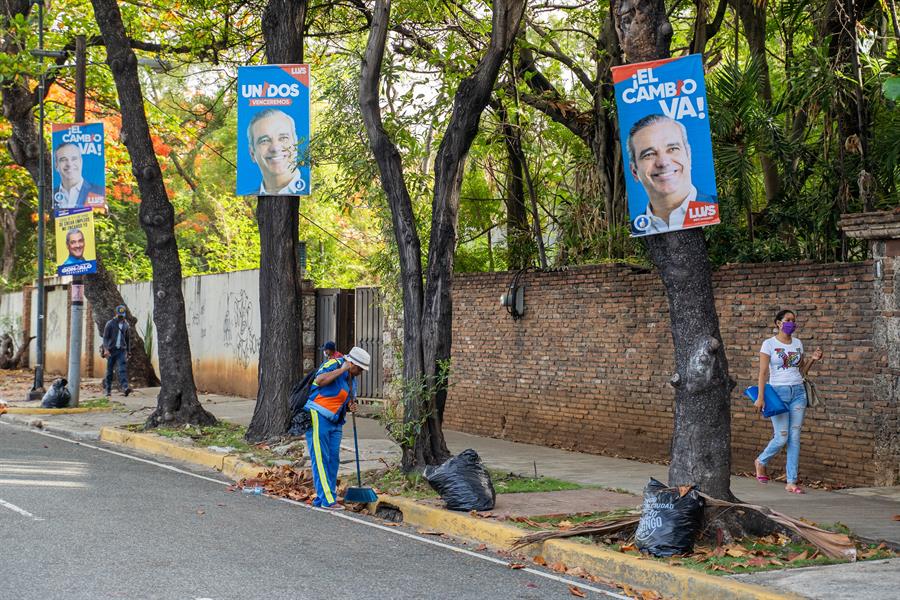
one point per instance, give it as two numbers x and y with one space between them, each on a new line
116 358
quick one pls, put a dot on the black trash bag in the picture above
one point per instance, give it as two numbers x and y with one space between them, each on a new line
57 396
463 482
669 521
300 419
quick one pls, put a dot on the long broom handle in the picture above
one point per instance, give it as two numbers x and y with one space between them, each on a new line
356 449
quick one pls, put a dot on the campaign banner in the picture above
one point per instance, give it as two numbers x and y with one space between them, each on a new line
79 167
666 145
75 251
273 131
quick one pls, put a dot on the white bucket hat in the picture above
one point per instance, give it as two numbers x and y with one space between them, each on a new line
359 357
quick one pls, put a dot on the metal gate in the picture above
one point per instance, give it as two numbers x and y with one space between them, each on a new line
334 319
369 329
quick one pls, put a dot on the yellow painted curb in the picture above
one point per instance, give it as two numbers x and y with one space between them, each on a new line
53 411
155 444
642 573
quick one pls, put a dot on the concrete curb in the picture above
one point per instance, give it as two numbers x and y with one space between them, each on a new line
638 572
53 411
228 464
641 573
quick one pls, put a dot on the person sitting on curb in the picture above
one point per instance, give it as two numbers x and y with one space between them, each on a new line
116 349
332 395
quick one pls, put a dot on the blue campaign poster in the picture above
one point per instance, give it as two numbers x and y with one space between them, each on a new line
79 168
666 145
273 131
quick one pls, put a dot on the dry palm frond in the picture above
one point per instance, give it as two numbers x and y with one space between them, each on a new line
831 544
599 527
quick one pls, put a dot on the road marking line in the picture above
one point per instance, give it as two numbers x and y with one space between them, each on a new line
21 511
392 530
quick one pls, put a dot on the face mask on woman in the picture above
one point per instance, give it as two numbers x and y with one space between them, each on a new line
788 327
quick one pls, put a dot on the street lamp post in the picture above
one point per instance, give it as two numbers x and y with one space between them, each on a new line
37 390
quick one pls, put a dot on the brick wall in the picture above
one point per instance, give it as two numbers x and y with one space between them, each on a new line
588 366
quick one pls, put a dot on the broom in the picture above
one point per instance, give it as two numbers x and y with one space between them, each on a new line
360 494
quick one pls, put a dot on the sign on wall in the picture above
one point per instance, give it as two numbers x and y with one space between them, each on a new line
75 252
273 131
79 169
666 145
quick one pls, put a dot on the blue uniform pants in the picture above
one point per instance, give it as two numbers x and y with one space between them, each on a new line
323 440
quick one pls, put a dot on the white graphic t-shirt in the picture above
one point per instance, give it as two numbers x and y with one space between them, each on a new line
784 361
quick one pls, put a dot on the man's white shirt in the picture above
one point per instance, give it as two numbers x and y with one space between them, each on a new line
295 186
70 196
676 217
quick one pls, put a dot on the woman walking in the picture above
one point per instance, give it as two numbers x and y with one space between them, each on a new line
783 365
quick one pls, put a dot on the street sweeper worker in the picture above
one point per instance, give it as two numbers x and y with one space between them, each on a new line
331 396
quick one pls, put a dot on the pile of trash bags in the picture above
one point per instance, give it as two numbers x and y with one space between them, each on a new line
463 482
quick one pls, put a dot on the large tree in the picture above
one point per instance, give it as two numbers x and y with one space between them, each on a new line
177 401
20 96
701 441
428 309
280 352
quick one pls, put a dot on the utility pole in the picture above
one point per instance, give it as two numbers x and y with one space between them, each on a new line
77 287
37 390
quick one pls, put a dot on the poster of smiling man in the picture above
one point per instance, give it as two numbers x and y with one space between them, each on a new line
666 145
79 171
75 253
273 131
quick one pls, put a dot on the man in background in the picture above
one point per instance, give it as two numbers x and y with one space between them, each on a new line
116 349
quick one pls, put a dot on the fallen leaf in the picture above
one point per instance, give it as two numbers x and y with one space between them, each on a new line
428 532
720 568
577 591
539 560
531 585
201 512
758 562
559 567
650 595
564 524
219 504
480 547
628 548
516 565
736 551
683 489
896 517
577 572
389 524
796 557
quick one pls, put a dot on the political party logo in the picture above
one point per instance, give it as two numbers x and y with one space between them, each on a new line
273 131
666 145
75 250
79 168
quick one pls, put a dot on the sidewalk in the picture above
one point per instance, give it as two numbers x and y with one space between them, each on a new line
868 512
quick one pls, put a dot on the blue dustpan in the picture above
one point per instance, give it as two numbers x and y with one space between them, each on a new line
773 405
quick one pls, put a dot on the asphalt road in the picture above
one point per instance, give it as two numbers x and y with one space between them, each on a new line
78 522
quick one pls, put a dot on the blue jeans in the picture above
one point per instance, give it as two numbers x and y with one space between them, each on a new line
116 358
787 429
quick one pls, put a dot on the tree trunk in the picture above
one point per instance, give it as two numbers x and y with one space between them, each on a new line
103 294
701 441
753 18
431 315
177 402
390 167
518 238
471 98
280 347
23 145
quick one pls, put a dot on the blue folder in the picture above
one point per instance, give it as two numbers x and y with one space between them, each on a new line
774 405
